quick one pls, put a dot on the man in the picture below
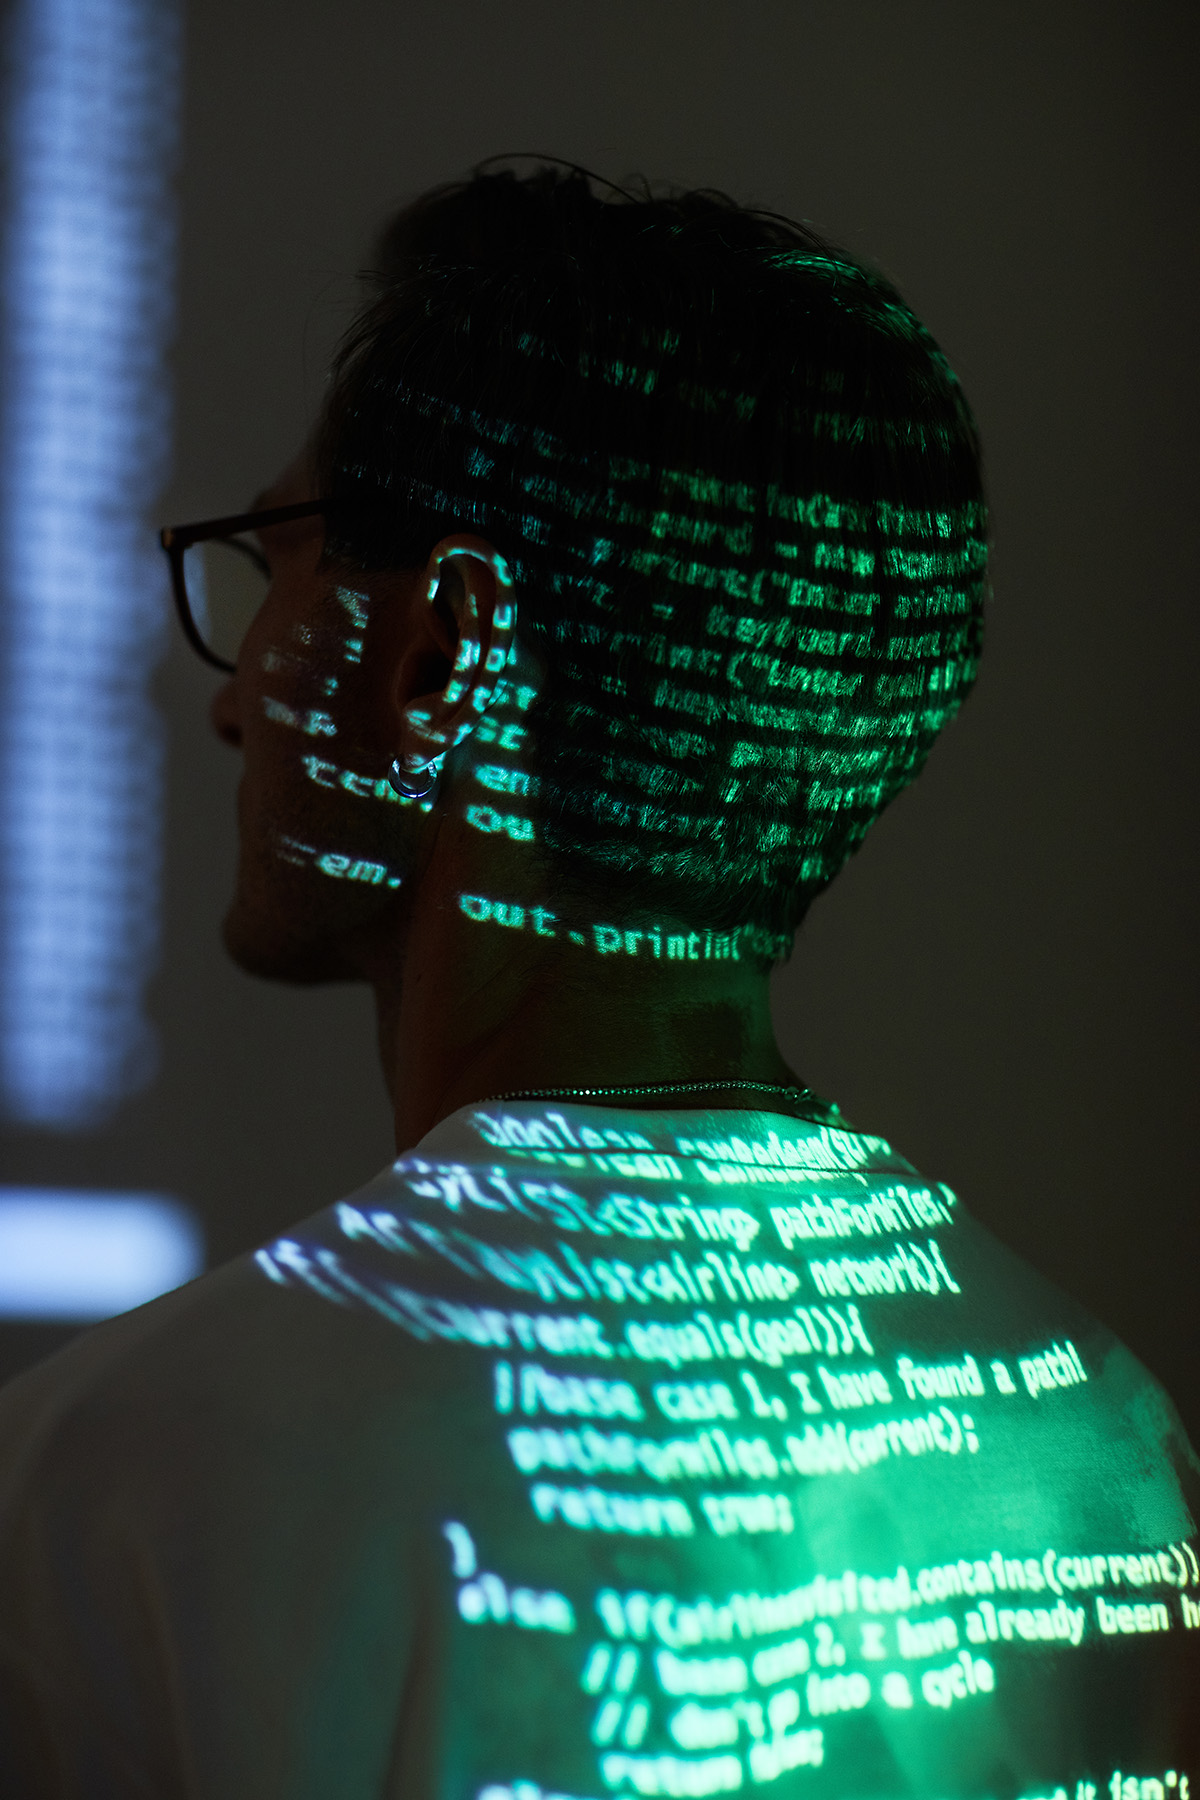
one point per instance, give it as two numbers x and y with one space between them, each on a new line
645 1429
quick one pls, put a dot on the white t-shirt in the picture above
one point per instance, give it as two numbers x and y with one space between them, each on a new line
590 1452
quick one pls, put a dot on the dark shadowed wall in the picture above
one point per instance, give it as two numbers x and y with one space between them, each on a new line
1003 981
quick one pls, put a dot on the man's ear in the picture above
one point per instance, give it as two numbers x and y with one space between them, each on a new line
465 632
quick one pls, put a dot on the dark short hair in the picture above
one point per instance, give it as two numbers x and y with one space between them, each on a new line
739 489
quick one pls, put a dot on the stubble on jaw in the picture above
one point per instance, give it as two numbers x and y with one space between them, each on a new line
288 920
292 924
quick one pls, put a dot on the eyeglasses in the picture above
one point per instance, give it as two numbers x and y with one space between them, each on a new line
220 577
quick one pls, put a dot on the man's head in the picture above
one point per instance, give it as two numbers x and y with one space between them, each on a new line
737 491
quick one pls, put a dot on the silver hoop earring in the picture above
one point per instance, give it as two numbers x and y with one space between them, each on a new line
414 784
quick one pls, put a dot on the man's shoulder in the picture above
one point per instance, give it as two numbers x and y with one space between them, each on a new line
231 1364
190 1494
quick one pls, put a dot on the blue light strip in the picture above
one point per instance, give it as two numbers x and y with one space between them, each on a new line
72 1256
84 437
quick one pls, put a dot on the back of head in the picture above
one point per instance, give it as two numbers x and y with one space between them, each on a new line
739 490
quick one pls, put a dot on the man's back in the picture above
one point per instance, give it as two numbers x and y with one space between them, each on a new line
586 1451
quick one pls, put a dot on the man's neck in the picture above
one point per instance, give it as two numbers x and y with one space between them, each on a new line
469 1008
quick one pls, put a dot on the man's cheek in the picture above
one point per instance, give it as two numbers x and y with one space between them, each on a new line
341 869
342 825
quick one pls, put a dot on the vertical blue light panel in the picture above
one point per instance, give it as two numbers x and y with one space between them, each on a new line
88 276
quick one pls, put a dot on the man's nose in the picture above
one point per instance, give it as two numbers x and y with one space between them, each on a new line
224 715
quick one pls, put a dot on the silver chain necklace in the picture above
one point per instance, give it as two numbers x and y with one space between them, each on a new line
659 1090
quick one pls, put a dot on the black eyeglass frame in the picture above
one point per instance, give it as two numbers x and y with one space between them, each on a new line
176 539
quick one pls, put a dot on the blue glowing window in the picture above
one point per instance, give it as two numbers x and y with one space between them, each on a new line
85 1256
88 260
